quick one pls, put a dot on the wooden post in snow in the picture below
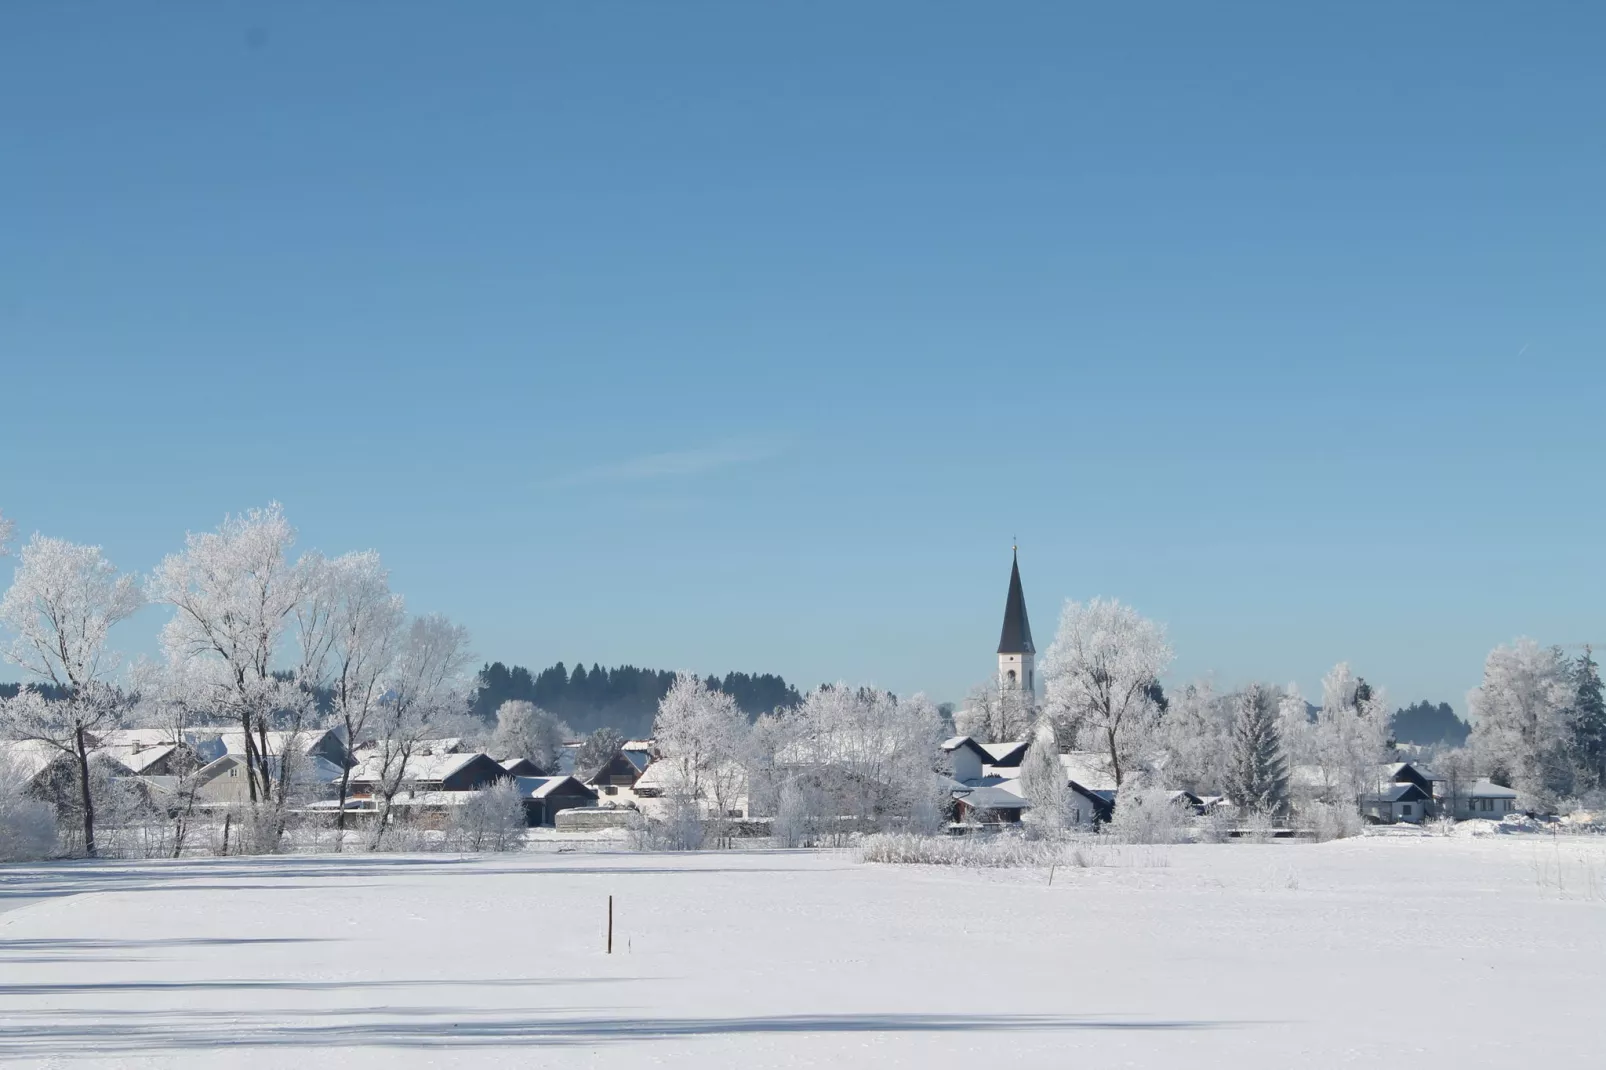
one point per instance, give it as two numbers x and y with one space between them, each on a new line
610 925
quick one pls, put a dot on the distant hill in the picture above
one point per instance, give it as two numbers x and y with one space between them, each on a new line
1426 723
625 697
50 691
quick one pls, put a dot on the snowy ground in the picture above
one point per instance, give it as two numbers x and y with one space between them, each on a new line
1425 952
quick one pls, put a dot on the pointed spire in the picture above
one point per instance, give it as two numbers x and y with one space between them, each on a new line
1017 635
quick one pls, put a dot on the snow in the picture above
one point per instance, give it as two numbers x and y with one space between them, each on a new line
1198 956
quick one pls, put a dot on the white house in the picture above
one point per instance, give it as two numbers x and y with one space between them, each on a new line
225 780
1482 799
1397 802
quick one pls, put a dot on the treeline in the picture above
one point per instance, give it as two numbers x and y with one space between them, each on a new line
624 697
1426 724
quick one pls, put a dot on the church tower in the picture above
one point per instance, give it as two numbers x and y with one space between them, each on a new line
1016 671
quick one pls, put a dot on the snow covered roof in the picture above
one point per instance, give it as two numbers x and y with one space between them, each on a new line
1396 793
954 743
138 737
420 767
1391 770
1484 788
1006 753
640 744
539 787
1089 770
25 759
140 758
998 798
233 740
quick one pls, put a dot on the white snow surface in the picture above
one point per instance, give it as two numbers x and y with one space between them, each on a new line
1435 951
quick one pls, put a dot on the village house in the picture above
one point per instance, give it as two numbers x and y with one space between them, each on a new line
545 797
516 767
226 782
1403 801
327 744
430 772
1484 799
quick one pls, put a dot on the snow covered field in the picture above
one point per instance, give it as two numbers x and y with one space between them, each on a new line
1426 952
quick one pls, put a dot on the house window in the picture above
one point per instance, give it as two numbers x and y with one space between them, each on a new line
1405 810
1076 815
1510 805
1009 677
234 770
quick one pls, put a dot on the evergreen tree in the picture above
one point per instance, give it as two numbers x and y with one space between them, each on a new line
1426 723
1589 712
1257 778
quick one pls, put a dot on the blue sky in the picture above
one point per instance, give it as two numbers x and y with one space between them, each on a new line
746 336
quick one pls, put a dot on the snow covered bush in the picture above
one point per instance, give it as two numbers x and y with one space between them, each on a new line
491 821
1331 821
680 827
1148 815
981 852
1257 825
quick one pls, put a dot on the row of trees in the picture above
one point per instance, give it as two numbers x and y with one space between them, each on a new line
257 638
842 758
1539 723
1539 720
624 698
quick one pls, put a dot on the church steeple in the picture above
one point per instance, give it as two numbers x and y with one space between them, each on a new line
1017 634
1015 648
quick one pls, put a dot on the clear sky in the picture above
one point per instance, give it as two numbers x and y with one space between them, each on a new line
746 336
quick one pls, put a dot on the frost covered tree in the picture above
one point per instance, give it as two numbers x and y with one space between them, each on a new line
365 630
1350 736
1523 729
493 820
703 736
1100 674
1044 783
60 610
6 529
862 752
598 749
425 687
165 703
235 593
1195 735
1257 780
525 730
1589 721
996 715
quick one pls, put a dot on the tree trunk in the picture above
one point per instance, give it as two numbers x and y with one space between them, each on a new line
83 785
250 755
1115 757
340 814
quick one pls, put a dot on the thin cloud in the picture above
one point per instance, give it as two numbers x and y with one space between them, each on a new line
673 464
